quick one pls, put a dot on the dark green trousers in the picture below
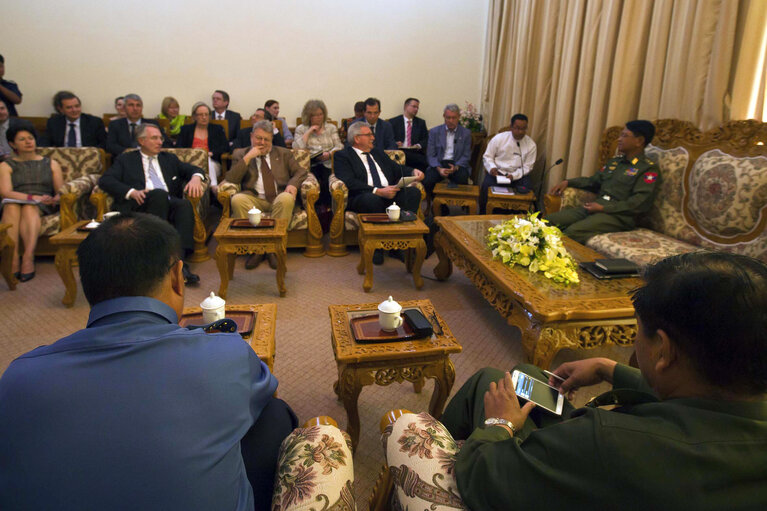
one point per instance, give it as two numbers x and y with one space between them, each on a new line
466 411
578 224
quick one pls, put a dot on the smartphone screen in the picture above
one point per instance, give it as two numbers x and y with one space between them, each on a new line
538 392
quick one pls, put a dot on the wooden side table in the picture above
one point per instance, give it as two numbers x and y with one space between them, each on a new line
392 236
389 362
461 195
6 256
261 339
514 202
233 242
66 243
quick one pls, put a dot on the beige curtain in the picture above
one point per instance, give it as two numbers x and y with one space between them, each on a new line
578 66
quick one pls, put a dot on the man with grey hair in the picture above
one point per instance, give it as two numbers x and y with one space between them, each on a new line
270 178
154 182
122 132
448 151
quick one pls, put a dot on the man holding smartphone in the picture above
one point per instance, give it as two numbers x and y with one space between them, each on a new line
688 429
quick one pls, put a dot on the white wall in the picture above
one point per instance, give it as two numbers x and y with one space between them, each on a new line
336 50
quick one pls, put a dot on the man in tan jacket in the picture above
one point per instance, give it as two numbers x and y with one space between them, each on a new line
269 177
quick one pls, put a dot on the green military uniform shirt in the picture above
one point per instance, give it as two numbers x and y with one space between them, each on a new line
623 187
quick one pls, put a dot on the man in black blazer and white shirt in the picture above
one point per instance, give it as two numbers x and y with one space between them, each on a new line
121 136
220 101
151 181
73 128
411 134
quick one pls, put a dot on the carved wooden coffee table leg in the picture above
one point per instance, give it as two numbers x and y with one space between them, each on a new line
367 260
420 255
222 261
444 268
6 259
281 268
443 373
349 388
64 259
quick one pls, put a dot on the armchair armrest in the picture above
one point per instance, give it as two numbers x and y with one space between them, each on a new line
340 200
225 192
332 472
570 197
310 193
101 201
70 194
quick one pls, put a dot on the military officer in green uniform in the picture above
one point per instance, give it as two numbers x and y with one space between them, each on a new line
690 427
625 188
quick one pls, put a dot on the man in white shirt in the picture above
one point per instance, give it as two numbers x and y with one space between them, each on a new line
508 160
73 128
220 101
411 134
151 181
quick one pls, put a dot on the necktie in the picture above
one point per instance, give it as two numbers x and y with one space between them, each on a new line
409 133
266 174
133 132
154 177
72 136
374 172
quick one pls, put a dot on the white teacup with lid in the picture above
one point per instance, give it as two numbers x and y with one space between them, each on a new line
393 212
389 315
92 224
254 216
213 308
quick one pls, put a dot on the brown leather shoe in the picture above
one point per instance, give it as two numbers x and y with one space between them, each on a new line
253 261
272 259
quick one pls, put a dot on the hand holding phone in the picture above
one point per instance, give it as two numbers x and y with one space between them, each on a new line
501 402
538 392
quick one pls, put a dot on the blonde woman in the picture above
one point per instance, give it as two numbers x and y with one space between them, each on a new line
169 110
321 138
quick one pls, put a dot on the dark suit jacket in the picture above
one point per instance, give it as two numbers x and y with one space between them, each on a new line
233 118
217 142
384 136
438 142
127 172
243 139
285 169
119 139
92 133
420 133
348 167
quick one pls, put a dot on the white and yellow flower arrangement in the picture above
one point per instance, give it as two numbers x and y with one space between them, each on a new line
530 241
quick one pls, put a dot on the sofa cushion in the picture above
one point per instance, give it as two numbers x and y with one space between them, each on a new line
642 246
666 215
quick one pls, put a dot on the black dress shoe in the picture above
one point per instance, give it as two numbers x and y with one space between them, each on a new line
17 275
253 261
378 257
397 254
272 260
24 277
189 277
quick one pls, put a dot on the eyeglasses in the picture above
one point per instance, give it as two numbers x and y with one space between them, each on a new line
365 135
262 139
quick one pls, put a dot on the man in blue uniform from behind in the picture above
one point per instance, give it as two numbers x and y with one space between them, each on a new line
134 411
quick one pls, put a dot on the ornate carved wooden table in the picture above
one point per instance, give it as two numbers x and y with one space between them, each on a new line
391 236
385 363
261 338
551 316
66 243
461 195
516 202
234 241
6 256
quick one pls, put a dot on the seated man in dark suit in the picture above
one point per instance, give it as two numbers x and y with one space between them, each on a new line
411 134
140 412
371 176
151 181
270 178
243 136
220 101
448 151
382 130
73 128
122 132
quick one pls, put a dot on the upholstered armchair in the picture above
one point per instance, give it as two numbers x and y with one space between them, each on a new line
345 224
304 229
81 168
200 205
315 469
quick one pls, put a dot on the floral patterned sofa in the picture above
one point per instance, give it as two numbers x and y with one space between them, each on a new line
200 205
345 224
712 194
315 469
304 229
81 168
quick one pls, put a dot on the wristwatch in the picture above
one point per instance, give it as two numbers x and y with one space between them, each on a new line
494 421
